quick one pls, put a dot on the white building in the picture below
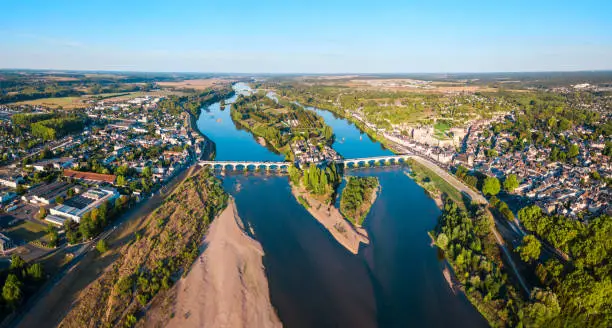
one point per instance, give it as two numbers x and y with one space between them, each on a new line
75 207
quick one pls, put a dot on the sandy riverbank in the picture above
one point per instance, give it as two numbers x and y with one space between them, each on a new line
227 285
330 217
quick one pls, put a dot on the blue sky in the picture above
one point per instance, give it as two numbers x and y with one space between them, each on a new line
307 36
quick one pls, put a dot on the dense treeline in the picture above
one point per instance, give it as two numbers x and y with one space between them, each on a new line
573 294
29 85
19 282
468 244
26 119
320 181
357 197
30 88
31 94
49 126
160 252
55 128
584 284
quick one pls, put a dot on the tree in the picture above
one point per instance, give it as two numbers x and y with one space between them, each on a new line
102 246
529 216
530 248
121 180
52 236
17 263
608 148
35 272
147 172
59 200
491 186
552 123
442 240
86 227
573 151
295 175
11 292
46 153
544 307
511 183
564 124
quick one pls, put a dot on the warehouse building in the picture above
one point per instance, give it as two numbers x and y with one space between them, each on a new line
75 207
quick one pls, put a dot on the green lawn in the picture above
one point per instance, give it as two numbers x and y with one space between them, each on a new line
430 179
26 231
440 129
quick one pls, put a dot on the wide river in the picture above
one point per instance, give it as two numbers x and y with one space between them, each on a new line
395 281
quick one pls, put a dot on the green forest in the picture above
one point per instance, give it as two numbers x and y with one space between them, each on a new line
583 284
55 128
319 181
50 126
357 198
573 294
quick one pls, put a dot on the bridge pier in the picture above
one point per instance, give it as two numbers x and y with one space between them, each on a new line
280 166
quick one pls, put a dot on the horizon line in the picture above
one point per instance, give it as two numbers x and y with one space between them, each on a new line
603 70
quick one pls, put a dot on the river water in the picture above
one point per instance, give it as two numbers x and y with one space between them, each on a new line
396 281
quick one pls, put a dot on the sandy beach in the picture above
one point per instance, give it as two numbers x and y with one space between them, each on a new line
330 217
227 285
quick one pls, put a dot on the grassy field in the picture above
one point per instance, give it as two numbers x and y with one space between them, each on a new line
79 102
117 97
433 182
26 231
440 129
65 102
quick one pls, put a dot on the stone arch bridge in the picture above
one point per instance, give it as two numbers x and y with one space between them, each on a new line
246 165
280 166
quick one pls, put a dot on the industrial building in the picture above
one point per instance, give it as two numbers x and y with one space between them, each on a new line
45 194
75 207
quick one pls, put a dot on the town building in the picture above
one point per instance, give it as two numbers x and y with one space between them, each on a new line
6 243
90 176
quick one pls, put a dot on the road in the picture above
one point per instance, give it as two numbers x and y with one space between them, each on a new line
62 143
47 308
502 245
453 181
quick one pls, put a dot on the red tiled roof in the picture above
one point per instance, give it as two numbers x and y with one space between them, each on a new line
110 178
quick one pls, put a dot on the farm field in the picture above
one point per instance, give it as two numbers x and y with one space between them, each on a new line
64 102
80 102
197 84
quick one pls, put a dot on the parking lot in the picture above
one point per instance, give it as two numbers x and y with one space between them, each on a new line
21 225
